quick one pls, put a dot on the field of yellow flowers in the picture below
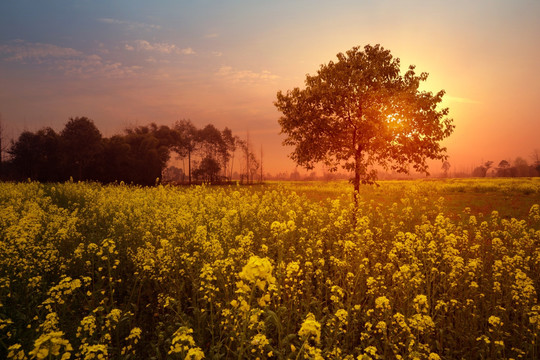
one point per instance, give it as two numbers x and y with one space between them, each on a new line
280 271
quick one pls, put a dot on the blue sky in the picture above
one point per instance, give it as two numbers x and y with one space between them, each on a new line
125 63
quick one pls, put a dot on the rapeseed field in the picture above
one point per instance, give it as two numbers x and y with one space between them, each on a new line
280 271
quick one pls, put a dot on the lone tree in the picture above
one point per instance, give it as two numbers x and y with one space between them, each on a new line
360 112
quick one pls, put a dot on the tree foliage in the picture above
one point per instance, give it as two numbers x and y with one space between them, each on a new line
138 156
359 112
81 146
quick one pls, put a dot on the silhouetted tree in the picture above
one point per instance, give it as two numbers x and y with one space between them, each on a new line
187 141
251 163
148 152
4 147
212 145
503 169
116 163
1 146
81 145
230 143
208 170
481 171
172 174
520 167
138 156
445 167
361 111
535 156
36 155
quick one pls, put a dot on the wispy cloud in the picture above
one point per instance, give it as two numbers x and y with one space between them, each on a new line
188 51
245 76
20 50
211 36
158 47
129 24
64 59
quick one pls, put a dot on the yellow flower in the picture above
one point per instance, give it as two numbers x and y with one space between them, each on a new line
258 270
194 354
50 343
495 321
310 328
15 352
342 315
382 303
421 303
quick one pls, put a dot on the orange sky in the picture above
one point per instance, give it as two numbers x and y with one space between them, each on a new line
131 62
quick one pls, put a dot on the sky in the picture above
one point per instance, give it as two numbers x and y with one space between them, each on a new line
125 63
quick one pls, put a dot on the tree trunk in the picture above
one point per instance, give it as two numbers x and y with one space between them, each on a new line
357 173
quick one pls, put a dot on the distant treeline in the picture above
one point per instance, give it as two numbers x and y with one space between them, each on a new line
138 156
518 168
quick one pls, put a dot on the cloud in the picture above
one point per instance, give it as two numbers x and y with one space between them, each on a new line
217 53
188 51
211 36
102 49
64 59
129 24
158 47
20 50
244 76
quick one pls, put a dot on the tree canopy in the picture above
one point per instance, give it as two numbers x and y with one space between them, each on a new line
360 112
139 155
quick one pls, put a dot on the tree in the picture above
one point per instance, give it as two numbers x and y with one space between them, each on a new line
81 143
187 141
360 112
445 167
520 168
212 145
148 152
503 169
3 146
535 156
230 144
36 155
251 163
208 170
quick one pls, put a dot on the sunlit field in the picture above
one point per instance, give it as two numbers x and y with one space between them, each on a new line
420 270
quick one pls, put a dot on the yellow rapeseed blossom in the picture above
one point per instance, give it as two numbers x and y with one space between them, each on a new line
259 271
51 344
247 266
310 329
16 352
382 303
495 321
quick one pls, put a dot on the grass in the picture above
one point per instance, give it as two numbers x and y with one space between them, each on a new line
512 198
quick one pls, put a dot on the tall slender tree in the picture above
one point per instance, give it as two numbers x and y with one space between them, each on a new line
187 141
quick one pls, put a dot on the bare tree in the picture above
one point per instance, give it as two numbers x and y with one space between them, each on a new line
251 163
535 157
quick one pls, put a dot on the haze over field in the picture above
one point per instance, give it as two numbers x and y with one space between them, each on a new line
127 63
